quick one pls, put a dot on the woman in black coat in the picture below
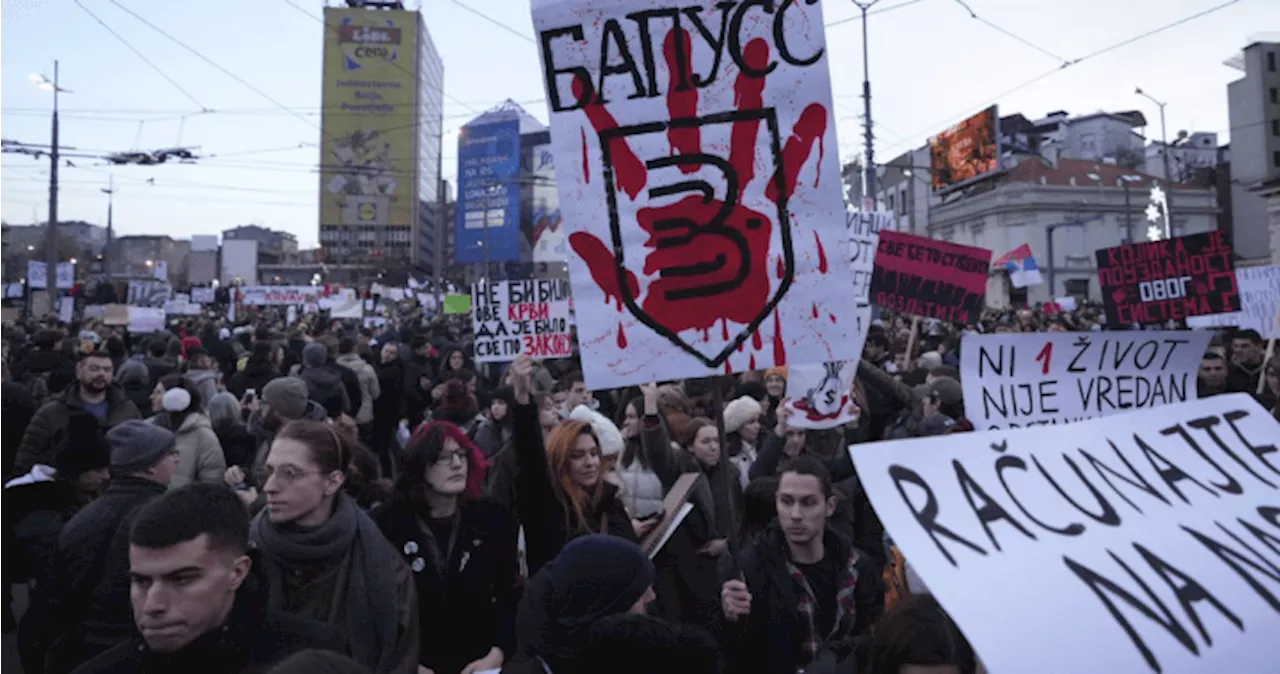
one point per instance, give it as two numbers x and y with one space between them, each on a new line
461 551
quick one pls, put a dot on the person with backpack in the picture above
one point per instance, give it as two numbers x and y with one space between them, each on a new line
91 392
46 369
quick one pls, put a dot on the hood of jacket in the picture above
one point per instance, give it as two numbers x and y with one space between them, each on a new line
192 423
321 377
198 377
45 361
258 367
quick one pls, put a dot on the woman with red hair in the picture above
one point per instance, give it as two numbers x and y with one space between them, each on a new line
560 488
461 551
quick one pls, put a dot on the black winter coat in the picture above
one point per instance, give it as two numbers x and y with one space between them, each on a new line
472 607
252 640
60 366
548 523
92 574
257 373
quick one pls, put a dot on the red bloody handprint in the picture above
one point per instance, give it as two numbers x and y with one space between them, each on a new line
707 254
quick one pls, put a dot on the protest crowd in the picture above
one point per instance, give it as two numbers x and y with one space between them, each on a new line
236 497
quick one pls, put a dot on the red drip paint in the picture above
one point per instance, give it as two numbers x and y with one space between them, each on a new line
822 153
752 366
748 94
822 254
811 127
782 269
724 329
728 367
602 266
779 348
706 335
814 415
832 317
682 99
741 346
756 342
586 167
622 337
815 310
628 170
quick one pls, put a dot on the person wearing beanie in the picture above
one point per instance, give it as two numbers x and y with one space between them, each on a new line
36 506
775 387
324 386
282 400
135 380
742 434
593 577
494 431
93 552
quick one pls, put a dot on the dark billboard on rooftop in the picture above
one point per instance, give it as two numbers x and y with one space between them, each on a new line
966 151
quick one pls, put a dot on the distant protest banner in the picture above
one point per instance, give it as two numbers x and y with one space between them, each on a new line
1143 542
1033 379
1259 297
1170 280
697 163
277 295
864 229
930 278
514 318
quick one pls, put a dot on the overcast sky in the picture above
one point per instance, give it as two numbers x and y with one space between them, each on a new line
931 65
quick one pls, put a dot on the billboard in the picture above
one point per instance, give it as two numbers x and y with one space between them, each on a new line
368 146
546 236
966 151
488 224
239 261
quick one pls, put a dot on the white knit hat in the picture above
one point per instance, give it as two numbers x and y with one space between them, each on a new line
608 435
738 412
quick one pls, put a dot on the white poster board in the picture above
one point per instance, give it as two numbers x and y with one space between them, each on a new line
864 229
701 194
276 295
37 275
528 317
345 304
820 396
1259 297
1037 378
1144 542
66 309
203 295
146 319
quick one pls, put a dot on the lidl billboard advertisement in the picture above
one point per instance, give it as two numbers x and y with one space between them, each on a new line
966 151
489 193
369 131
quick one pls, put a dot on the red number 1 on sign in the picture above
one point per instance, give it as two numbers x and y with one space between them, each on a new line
1045 355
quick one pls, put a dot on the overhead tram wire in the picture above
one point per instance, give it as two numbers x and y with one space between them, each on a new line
139 54
1072 62
1008 33
856 17
498 23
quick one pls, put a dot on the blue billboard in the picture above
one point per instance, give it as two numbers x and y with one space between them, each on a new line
488 227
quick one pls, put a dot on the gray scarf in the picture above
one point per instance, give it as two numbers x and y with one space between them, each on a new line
370 610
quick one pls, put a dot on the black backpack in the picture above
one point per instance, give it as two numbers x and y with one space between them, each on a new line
37 386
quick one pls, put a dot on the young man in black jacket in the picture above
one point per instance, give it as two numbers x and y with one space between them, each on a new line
197 606
802 594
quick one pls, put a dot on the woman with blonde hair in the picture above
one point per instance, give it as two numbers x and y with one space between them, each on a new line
560 490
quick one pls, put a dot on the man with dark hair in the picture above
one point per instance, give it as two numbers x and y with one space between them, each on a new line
44 370
802 594
1248 352
92 568
576 393
92 392
628 643
157 364
1211 380
196 606
419 375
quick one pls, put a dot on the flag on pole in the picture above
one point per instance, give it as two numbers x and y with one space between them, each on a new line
1022 267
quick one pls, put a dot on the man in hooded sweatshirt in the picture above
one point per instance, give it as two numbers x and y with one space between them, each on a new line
593 577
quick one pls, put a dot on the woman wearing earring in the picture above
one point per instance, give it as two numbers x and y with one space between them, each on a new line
323 556
460 550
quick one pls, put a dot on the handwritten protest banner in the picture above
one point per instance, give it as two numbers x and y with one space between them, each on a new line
276 295
864 229
1259 296
699 185
930 278
1170 280
1033 379
514 318
1144 542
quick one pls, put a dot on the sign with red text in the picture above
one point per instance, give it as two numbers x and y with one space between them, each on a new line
1139 543
1170 280
1039 378
929 278
276 295
699 185
1259 297
514 318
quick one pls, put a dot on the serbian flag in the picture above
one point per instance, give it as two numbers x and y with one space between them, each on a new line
1022 267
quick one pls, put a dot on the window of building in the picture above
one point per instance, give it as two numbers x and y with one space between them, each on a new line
1271 61
1275 127
1275 159
891 207
1275 95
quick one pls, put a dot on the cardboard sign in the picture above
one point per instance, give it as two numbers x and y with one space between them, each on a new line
512 318
1259 296
1143 542
1170 280
677 497
819 395
699 184
1033 379
277 295
929 278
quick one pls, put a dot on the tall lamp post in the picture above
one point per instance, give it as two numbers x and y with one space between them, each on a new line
51 230
110 191
869 169
910 172
1164 151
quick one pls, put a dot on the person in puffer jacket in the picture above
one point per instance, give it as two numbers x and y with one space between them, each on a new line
200 457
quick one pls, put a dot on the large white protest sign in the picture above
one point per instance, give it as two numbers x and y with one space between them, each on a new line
37 275
203 295
275 295
1145 542
529 317
864 234
699 185
1031 379
1259 298
145 319
819 396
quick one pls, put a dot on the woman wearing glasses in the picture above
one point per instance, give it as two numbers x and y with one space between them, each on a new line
325 559
461 550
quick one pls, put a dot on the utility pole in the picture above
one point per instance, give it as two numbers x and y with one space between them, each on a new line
869 170
441 205
110 191
51 230
1164 155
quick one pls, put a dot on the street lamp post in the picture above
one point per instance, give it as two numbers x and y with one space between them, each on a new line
869 169
51 230
1164 151
928 197
110 191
